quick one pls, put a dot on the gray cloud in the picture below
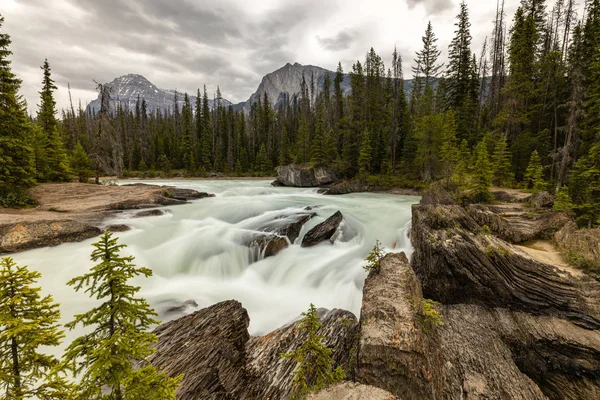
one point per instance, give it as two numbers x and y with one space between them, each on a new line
432 7
341 41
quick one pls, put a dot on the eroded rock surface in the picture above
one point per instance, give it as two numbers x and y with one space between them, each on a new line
30 235
297 175
221 361
458 262
324 231
395 353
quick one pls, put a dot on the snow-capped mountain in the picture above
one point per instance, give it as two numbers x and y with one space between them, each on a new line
127 88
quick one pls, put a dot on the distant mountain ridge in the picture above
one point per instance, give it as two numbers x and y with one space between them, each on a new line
127 88
277 84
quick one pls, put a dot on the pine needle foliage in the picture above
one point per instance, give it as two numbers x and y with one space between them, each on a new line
119 337
29 322
315 365
482 175
373 259
534 175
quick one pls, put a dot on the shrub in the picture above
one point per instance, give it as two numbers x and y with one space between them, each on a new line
429 315
15 198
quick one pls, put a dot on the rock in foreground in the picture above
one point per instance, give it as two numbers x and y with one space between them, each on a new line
395 352
279 234
221 361
296 175
324 231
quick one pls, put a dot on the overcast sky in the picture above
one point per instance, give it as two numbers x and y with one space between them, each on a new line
183 44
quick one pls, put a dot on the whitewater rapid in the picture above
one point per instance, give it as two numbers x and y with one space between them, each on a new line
197 252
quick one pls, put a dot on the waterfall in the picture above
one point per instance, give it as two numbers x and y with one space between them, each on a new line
198 252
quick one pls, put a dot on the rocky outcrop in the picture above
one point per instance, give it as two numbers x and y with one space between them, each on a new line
514 328
323 231
396 352
347 187
221 361
352 391
515 224
270 375
279 234
30 235
458 262
305 175
161 196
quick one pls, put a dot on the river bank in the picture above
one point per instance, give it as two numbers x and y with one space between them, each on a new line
68 212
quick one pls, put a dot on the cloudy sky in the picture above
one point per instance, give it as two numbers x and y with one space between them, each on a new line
183 44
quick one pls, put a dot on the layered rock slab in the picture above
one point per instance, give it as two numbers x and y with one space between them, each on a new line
395 353
297 175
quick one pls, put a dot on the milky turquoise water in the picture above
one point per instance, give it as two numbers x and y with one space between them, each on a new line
197 252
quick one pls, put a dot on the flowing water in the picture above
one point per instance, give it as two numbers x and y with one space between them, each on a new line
197 252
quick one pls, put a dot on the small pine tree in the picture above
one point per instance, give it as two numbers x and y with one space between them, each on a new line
142 166
28 322
373 259
562 201
119 336
503 175
482 175
315 365
534 175
461 172
80 162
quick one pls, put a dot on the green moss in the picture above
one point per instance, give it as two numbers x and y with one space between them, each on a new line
429 315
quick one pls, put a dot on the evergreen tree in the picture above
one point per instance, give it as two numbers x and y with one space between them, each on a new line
15 155
464 160
187 130
364 158
562 201
80 162
460 74
503 175
29 323
263 165
449 151
284 148
318 147
315 365
56 156
534 175
119 335
302 142
482 175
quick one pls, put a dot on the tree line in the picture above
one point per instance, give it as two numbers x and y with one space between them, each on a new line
524 112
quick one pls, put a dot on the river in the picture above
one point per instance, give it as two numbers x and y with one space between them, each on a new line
196 252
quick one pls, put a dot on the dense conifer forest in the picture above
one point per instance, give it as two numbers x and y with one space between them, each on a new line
523 111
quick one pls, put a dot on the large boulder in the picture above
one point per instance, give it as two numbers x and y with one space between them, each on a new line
279 234
496 354
323 231
297 175
397 352
30 235
220 361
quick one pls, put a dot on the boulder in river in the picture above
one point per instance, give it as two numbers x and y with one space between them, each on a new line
118 228
324 231
279 233
351 391
304 175
149 213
